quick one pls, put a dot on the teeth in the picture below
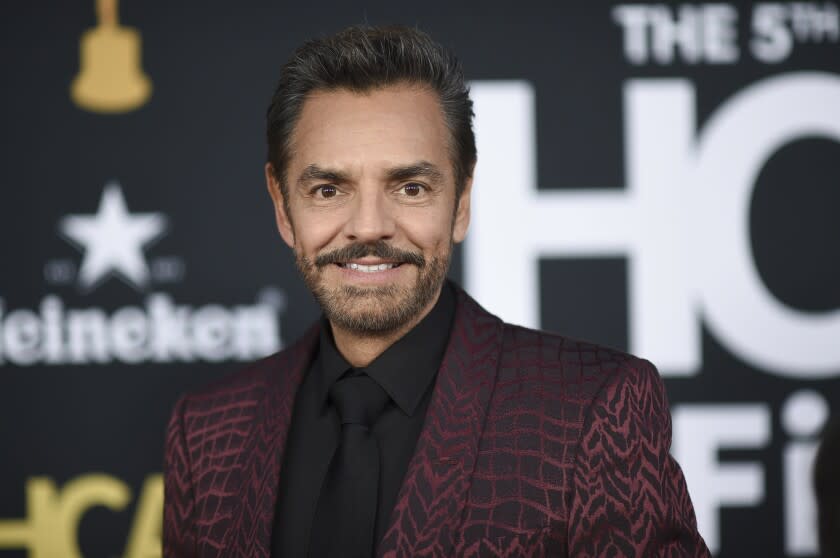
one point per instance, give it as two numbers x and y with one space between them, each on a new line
370 268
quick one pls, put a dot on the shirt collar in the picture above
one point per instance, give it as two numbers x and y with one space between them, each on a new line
407 367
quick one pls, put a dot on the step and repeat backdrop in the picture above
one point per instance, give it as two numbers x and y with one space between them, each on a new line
662 178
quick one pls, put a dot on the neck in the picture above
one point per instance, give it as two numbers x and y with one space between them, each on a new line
360 349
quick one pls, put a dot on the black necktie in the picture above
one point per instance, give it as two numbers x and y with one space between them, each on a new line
345 518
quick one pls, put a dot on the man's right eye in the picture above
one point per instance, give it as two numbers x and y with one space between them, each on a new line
325 191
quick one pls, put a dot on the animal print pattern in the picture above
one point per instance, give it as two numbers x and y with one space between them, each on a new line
533 445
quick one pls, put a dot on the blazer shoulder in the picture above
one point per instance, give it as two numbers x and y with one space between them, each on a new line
557 358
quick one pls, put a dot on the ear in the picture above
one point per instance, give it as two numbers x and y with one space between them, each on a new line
462 213
284 222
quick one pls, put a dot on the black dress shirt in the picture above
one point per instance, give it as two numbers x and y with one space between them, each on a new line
406 371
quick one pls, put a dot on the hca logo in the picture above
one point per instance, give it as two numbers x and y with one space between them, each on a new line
681 220
53 515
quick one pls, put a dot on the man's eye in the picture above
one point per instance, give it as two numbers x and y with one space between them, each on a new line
413 189
326 191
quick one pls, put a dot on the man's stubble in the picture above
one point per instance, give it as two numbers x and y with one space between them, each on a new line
374 311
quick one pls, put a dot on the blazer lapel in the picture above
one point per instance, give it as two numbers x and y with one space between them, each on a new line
252 515
433 494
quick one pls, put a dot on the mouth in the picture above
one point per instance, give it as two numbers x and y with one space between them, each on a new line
369 268
378 259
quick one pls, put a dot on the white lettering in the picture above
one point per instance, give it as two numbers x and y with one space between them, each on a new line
256 331
803 415
700 431
129 334
772 41
22 337
734 145
633 19
680 266
812 22
170 339
671 33
87 339
52 316
211 328
160 332
720 33
644 222
778 26
688 33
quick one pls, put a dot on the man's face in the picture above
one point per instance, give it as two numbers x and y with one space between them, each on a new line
371 205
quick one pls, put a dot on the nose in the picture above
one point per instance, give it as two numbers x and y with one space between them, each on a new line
371 217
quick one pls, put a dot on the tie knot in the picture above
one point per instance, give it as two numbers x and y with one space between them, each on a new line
358 399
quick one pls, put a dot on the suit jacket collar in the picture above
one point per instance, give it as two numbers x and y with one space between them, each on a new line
433 494
255 473
431 500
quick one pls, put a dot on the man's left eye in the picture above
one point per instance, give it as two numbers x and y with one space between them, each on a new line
413 189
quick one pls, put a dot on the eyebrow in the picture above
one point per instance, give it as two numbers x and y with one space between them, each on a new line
314 172
414 170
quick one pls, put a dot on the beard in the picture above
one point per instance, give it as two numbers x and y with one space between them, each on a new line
373 311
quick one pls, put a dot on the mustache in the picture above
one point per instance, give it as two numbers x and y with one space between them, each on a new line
378 249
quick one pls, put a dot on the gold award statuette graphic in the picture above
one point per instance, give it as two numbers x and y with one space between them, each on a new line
110 78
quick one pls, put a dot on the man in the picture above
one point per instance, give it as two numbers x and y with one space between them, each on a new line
409 421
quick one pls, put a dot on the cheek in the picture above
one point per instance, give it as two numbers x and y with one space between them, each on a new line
431 231
314 231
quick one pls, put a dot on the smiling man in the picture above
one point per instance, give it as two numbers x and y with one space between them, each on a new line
370 203
409 421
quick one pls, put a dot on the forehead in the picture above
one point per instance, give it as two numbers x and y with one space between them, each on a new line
381 127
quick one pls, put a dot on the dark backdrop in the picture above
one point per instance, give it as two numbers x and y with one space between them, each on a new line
140 257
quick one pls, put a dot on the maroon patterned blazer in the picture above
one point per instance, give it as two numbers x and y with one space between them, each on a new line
533 445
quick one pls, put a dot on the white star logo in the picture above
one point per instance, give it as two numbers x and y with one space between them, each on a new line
113 239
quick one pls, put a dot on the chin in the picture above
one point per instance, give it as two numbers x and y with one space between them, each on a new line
370 310
371 320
